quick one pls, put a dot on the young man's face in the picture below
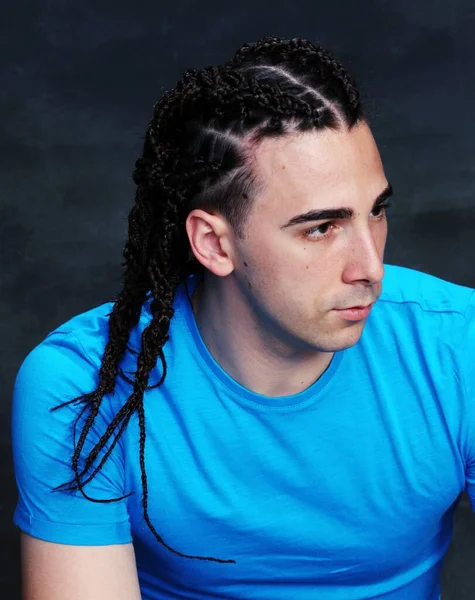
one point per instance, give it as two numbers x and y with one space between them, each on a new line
296 272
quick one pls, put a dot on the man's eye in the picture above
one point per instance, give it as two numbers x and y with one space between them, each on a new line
382 207
322 229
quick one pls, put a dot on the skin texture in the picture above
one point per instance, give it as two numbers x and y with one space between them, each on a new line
62 572
265 309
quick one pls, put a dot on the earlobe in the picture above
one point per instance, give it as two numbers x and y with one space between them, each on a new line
209 237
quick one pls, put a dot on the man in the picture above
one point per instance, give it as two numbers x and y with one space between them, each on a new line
266 410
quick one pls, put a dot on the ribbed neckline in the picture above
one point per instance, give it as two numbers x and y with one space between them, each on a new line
239 392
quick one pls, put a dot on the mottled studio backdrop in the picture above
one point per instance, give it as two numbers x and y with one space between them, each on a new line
78 83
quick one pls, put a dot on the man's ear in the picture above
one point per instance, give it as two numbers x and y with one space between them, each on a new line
210 240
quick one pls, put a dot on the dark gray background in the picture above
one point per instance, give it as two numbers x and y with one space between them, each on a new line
78 83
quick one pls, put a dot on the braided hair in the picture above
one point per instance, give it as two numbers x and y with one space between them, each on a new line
196 155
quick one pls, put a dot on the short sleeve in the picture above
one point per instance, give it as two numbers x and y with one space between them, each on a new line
468 374
56 371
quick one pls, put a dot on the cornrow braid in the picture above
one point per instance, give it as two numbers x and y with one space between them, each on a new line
196 155
300 52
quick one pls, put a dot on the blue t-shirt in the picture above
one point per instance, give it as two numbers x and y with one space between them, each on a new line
345 491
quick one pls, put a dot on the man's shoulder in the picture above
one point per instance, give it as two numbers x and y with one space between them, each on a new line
426 292
87 330
68 359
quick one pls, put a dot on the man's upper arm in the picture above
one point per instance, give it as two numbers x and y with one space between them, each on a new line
42 442
53 571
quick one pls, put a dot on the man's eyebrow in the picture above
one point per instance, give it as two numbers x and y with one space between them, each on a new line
342 212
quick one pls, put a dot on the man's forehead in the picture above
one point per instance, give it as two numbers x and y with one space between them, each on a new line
310 170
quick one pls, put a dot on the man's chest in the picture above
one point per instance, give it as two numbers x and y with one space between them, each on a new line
326 497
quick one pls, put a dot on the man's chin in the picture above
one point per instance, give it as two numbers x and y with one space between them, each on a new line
345 338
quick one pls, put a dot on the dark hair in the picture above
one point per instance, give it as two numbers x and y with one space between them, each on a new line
196 154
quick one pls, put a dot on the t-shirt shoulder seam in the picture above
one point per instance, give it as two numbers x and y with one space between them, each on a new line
72 334
424 308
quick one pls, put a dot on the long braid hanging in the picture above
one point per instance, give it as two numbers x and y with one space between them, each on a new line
168 176
125 315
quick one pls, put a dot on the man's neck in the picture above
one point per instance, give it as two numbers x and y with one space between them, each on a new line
245 350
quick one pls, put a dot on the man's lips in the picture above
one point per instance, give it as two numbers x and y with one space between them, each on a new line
359 306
